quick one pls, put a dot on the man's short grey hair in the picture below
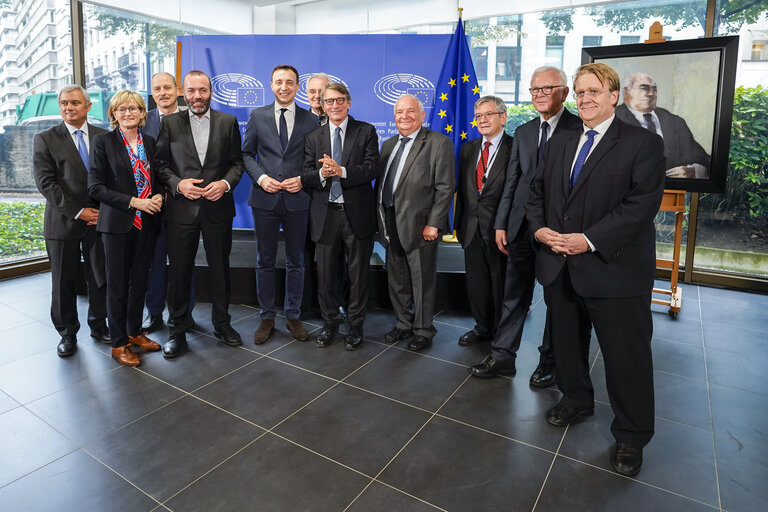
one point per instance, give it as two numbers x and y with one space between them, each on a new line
501 108
164 73
418 102
546 69
322 76
75 87
629 80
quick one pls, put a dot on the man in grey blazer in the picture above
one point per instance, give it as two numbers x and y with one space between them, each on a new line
549 89
416 181
273 153
60 165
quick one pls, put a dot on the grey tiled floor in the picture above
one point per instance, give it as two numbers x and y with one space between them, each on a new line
287 426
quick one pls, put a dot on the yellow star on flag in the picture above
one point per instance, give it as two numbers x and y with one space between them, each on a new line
452 82
476 89
465 78
463 134
442 114
449 128
474 123
443 97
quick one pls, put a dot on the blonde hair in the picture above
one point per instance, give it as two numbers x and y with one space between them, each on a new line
603 72
123 97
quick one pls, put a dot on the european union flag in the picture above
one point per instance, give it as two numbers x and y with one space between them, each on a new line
457 91
250 97
426 95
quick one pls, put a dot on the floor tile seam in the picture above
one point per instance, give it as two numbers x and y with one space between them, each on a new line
670 420
656 337
294 413
422 354
653 486
38 468
23 324
422 500
131 483
228 412
354 386
38 352
212 469
387 347
249 363
293 365
310 450
741 390
740 326
254 351
687 377
549 470
315 324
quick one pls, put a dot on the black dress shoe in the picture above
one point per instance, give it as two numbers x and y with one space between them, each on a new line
67 346
228 335
543 376
396 335
101 334
473 336
175 344
325 338
626 460
152 323
491 367
419 343
354 339
562 414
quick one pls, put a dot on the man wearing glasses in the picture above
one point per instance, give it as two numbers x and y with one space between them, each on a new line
340 161
549 89
482 169
591 210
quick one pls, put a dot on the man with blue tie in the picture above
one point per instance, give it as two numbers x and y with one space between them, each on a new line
273 152
166 96
60 165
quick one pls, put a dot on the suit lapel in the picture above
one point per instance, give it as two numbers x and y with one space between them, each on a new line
606 143
186 130
416 147
349 142
499 161
69 144
569 153
124 172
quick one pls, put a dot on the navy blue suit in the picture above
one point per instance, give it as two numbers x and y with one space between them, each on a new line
263 155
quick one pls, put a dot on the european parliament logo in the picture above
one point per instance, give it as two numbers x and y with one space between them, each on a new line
237 90
302 96
389 88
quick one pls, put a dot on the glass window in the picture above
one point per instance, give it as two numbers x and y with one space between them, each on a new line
629 40
554 51
480 58
588 41
507 62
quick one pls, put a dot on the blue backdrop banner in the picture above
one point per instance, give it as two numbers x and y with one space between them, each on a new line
377 69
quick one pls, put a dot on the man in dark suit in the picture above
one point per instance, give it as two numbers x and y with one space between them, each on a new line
549 89
482 169
685 157
273 153
414 189
200 163
340 161
591 210
165 94
60 164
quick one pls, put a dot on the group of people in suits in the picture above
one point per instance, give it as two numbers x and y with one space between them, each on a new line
568 201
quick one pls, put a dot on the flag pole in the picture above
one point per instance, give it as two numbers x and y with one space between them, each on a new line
452 238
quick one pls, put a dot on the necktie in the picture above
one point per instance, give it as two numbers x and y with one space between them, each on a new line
542 141
482 165
388 194
649 120
335 182
283 129
582 156
81 148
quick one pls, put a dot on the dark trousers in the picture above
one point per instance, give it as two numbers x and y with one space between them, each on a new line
336 240
266 227
411 277
157 284
518 293
624 327
64 256
183 241
128 256
485 268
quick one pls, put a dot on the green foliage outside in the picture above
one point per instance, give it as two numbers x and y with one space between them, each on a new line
520 114
21 229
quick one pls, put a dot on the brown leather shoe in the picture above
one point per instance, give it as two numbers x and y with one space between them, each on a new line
297 329
264 331
125 356
142 341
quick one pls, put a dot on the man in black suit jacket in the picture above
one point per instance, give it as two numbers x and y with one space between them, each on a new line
340 161
60 164
200 163
549 89
482 169
591 210
685 157
417 175
166 95
273 153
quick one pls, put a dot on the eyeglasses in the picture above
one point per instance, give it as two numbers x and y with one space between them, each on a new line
489 115
591 94
328 102
546 90
132 109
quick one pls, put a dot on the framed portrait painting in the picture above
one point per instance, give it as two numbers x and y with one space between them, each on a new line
683 91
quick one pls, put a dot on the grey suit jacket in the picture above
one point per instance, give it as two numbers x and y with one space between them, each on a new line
61 177
522 168
425 189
